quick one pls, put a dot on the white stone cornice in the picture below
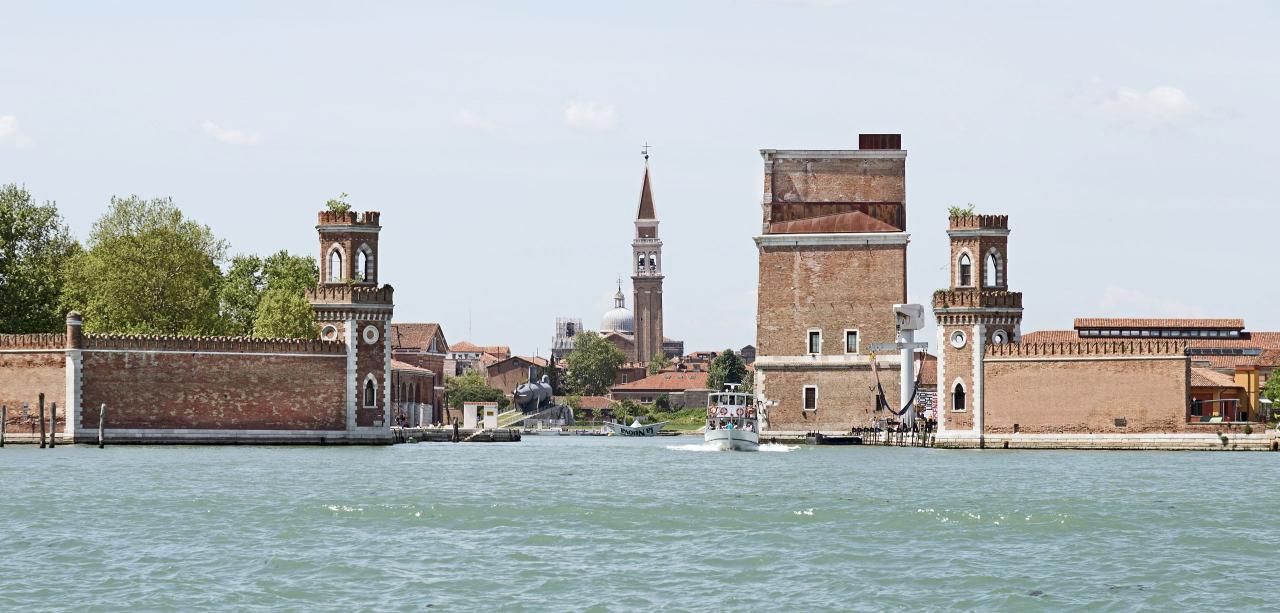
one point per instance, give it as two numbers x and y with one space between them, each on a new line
978 232
835 239
350 229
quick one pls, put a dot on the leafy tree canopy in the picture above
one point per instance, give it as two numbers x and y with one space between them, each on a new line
147 269
728 367
34 246
283 277
659 362
592 364
471 387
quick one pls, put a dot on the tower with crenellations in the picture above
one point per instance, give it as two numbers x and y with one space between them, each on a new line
352 308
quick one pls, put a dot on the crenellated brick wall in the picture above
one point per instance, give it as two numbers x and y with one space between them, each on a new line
230 344
979 222
1147 347
33 341
349 218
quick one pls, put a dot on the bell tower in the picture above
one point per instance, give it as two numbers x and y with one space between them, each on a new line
646 280
352 308
975 311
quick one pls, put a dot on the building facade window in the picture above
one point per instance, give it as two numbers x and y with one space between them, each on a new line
958 339
991 272
851 341
999 337
965 270
815 342
811 398
957 397
370 393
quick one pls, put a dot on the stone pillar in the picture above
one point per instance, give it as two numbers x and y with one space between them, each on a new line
74 372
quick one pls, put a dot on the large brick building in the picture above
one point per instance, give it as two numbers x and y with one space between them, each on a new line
334 389
833 257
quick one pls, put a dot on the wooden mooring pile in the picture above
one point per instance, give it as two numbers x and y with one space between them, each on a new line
48 437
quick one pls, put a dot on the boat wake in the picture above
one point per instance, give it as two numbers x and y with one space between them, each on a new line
695 447
778 447
765 447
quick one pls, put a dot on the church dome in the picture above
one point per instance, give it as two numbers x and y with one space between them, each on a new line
618 319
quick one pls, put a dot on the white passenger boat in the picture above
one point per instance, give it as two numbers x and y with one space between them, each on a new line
732 423
635 429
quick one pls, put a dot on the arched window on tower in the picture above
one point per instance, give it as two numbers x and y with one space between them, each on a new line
991 271
653 263
640 263
335 265
364 264
957 397
966 270
370 393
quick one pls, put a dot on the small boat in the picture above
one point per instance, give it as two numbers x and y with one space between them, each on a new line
732 422
818 438
635 429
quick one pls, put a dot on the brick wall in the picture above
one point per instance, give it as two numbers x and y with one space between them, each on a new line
846 397
210 390
830 288
1076 394
24 375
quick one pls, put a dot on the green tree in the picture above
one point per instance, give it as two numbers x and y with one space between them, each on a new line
960 211
284 314
662 403
593 363
728 367
471 387
265 297
34 247
1271 390
659 362
147 269
240 294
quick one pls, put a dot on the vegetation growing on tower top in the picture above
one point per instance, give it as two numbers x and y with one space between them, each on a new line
339 204
961 211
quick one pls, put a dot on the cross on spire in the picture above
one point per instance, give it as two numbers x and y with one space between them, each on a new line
645 151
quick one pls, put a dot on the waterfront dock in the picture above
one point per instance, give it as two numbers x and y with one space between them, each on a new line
455 435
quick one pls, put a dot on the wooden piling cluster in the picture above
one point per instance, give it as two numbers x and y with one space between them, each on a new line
48 437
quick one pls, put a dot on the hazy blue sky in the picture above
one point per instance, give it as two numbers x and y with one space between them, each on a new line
1133 144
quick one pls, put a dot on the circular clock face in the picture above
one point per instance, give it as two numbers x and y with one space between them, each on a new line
958 338
370 334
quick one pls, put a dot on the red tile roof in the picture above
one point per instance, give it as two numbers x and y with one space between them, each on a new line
854 221
1138 322
1206 377
595 403
929 370
414 336
498 351
397 365
666 382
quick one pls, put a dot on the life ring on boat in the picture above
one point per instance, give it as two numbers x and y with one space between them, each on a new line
711 411
724 410
751 412
741 412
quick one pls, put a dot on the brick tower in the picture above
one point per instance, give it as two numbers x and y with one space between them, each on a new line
646 281
352 308
978 309
833 263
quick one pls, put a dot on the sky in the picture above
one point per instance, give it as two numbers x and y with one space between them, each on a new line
1134 145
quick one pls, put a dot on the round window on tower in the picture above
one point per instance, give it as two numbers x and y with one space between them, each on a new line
329 333
999 337
370 334
958 338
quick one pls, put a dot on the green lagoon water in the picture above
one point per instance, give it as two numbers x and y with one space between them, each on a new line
566 523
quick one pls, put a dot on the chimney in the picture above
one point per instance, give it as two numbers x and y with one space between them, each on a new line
879 141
